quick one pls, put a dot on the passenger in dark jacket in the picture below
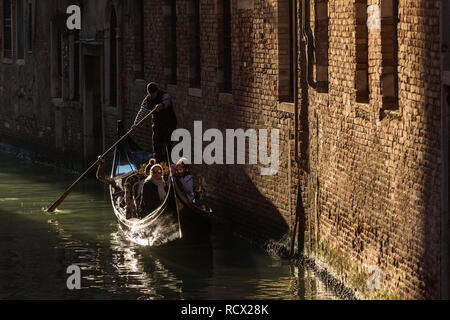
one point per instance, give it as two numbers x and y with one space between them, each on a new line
154 191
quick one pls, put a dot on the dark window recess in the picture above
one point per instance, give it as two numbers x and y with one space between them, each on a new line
141 42
362 52
196 50
322 42
285 54
60 62
290 96
30 28
389 52
76 66
173 43
227 58
7 29
113 60
20 29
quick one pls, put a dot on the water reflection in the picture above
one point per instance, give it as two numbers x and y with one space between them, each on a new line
37 247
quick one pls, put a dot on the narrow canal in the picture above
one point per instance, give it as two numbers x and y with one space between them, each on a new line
36 248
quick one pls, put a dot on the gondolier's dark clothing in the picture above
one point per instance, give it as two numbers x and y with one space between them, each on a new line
164 122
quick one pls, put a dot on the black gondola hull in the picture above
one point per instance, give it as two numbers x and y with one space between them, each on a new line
175 219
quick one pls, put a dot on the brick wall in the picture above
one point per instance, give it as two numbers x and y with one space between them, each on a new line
368 191
372 194
369 186
252 104
27 112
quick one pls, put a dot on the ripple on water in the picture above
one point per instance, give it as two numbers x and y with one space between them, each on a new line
9 199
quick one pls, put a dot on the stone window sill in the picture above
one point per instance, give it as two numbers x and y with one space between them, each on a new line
111 110
195 92
57 102
225 98
172 89
286 107
20 62
392 113
7 61
362 110
140 82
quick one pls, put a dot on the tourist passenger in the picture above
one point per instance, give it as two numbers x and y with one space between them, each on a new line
154 191
101 173
184 179
131 186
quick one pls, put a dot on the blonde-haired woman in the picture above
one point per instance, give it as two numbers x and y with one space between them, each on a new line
154 191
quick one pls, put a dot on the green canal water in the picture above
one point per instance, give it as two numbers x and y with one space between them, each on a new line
36 248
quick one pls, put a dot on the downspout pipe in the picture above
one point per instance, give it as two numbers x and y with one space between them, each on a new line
445 5
295 58
309 40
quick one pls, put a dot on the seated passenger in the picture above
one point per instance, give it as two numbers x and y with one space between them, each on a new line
184 179
118 195
101 174
199 194
130 186
154 190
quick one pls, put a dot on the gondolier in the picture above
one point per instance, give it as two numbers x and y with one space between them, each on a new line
164 119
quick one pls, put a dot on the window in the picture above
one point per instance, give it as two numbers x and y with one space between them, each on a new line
226 39
113 60
362 52
75 65
172 44
195 65
30 25
138 25
56 59
141 74
389 52
321 31
7 30
285 47
60 61
20 29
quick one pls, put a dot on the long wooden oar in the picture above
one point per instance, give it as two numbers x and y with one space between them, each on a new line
69 190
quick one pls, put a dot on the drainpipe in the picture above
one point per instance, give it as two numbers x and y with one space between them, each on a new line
294 27
309 40
295 75
445 5
295 57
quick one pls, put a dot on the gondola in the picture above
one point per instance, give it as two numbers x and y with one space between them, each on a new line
176 219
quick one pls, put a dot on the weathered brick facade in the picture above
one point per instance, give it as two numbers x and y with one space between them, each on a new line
366 185
373 189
